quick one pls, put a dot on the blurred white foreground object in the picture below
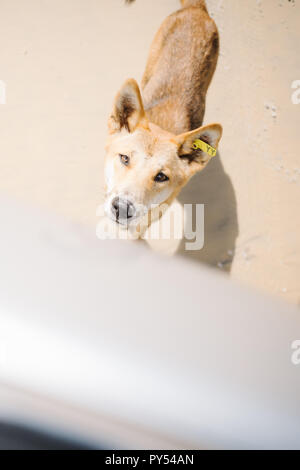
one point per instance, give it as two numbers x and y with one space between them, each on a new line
110 344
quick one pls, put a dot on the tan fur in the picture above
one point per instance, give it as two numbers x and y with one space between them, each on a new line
156 129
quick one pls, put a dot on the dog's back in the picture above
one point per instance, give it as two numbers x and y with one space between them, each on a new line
180 66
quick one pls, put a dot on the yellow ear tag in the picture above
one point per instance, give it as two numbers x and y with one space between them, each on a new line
199 144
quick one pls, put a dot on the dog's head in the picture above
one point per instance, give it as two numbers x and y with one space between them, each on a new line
146 166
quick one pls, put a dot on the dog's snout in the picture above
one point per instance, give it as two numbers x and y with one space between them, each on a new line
122 209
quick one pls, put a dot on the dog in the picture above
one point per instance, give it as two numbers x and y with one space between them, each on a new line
155 140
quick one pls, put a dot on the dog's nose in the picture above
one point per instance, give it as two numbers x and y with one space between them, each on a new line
122 209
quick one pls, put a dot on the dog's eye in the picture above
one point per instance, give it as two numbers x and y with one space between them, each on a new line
161 177
124 159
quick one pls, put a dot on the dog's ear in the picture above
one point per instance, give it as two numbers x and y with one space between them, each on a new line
128 110
197 147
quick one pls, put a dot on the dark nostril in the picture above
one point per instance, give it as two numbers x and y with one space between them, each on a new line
122 209
115 204
115 207
130 210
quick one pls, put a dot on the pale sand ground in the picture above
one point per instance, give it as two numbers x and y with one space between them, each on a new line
63 61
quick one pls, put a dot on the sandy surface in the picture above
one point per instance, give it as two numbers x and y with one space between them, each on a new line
62 62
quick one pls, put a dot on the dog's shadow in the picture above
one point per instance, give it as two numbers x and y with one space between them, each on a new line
213 188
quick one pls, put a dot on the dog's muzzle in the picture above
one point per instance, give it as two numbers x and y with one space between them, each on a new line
122 209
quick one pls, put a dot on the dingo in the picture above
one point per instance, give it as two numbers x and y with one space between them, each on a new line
151 152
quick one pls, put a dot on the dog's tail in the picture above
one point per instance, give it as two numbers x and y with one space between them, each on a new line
186 3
